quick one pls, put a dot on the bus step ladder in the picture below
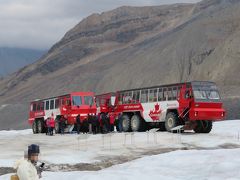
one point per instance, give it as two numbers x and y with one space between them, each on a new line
178 128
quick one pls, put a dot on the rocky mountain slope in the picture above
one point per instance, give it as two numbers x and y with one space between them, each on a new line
11 59
133 47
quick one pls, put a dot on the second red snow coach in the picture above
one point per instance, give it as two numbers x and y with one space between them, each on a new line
65 106
189 106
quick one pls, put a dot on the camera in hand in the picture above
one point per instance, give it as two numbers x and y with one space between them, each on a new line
42 165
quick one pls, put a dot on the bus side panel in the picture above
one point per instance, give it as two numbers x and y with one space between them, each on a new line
157 111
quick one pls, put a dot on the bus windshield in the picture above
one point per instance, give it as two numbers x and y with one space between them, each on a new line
205 92
88 100
77 100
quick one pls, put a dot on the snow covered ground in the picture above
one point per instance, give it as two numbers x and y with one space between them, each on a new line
159 155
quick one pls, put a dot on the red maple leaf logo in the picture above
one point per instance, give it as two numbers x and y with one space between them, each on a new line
155 113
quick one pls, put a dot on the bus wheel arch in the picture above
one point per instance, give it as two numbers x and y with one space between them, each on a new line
203 127
41 127
172 120
57 125
126 122
34 127
38 126
137 122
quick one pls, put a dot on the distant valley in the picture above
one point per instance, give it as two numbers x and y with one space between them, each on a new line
12 59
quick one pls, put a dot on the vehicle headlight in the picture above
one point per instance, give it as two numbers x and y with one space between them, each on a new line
196 113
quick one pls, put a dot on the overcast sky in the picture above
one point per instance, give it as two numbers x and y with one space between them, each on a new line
39 24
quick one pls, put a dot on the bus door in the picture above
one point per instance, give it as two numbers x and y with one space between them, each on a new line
184 100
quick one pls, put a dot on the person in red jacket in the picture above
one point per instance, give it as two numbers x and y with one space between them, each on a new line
52 125
112 120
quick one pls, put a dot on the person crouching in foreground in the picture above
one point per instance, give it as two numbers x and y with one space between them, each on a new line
27 168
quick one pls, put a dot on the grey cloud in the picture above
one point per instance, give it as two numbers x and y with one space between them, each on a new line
41 23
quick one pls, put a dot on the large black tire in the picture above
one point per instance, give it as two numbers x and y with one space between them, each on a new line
171 121
34 127
40 126
137 124
57 127
162 127
203 127
198 128
207 126
126 123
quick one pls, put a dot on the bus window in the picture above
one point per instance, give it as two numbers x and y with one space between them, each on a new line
47 105
52 104
97 102
120 98
38 106
136 96
56 103
169 93
127 97
174 93
144 96
62 102
42 106
103 101
153 95
34 107
160 94
130 96
68 102
178 91
165 94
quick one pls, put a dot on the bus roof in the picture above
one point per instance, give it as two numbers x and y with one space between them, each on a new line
106 94
65 95
168 85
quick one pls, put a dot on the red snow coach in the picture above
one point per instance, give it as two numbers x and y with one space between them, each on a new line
105 106
187 106
65 106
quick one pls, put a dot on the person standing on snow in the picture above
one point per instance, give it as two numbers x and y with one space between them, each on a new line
105 123
111 122
78 123
119 123
48 126
52 125
95 124
26 168
62 124
90 119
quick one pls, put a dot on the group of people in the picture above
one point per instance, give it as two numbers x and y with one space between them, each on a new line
102 123
95 124
50 125
50 122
